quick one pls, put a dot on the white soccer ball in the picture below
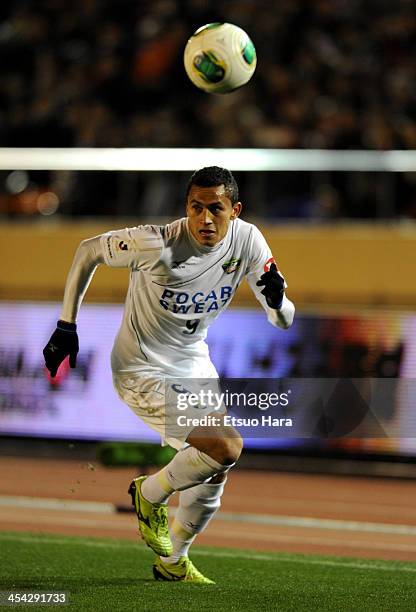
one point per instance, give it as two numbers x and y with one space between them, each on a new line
219 58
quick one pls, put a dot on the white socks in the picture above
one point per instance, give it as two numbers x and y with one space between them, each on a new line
188 468
197 506
198 501
181 542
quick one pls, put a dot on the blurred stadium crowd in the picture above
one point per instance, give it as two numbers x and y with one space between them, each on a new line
107 73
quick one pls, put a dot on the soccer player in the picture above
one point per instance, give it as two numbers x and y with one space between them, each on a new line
182 275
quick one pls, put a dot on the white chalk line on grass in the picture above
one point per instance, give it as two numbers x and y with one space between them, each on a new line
233 517
317 523
47 503
63 520
237 554
72 521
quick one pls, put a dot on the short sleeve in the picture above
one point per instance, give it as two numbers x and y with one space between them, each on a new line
133 247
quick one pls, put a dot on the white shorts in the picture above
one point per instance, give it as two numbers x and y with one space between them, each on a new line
165 404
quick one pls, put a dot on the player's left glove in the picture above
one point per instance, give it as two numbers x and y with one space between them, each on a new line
63 342
274 287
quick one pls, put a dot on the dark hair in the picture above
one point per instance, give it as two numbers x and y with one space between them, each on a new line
212 176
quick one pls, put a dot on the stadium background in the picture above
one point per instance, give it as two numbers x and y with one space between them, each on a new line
331 75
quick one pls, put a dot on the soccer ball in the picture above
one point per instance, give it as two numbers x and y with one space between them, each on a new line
219 58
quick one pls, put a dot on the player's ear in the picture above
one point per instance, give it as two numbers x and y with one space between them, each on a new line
236 210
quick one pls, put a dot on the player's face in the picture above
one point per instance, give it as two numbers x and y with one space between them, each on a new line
210 213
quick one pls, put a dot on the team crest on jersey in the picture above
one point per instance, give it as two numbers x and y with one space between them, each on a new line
231 266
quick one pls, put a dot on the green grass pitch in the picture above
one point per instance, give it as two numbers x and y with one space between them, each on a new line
105 574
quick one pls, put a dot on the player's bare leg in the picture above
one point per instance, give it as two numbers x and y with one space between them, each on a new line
222 442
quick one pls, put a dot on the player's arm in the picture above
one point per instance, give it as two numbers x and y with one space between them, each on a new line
267 283
127 248
86 259
64 340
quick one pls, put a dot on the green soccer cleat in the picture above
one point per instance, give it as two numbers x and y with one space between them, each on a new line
183 570
153 520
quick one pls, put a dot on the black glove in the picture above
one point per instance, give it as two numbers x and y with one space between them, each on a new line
274 287
63 342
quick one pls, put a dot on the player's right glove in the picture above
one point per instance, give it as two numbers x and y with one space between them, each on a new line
63 342
274 287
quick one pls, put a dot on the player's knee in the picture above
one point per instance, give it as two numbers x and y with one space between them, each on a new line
224 446
238 446
218 478
229 449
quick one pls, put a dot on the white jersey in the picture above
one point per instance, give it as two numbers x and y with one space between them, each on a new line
177 288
